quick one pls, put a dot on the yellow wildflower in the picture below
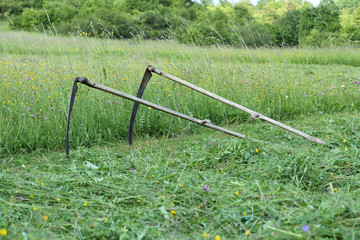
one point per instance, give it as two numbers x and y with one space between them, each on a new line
3 232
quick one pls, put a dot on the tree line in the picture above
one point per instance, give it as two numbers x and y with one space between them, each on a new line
269 23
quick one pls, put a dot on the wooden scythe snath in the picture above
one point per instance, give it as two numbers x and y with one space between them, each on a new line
137 100
253 114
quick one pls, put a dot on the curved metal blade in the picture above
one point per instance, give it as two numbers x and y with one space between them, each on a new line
144 82
71 104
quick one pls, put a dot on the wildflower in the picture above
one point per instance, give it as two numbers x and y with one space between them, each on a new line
206 188
335 189
3 232
46 118
244 213
345 149
305 228
21 199
247 232
173 212
257 150
204 235
52 108
59 110
23 114
31 196
181 185
46 218
236 193
149 108
163 197
11 199
85 203
132 170
58 199
217 237
153 175
105 219
227 175
344 141
35 208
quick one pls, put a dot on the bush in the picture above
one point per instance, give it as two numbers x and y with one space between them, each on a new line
155 23
289 28
31 18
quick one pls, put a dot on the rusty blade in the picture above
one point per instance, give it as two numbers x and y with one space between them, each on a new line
71 104
145 80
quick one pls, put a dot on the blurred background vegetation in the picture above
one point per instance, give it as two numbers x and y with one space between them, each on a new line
269 23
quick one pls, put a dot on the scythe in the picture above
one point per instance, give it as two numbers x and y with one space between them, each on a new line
87 82
253 114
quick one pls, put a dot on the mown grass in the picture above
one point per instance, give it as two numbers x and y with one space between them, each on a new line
172 184
183 187
38 70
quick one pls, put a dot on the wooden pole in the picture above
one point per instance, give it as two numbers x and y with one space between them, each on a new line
205 123
235 105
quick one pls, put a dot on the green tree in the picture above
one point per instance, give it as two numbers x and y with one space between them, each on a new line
306 21
289 27
349 5
327 18
242 13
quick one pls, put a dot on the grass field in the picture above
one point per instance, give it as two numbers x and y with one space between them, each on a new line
179 180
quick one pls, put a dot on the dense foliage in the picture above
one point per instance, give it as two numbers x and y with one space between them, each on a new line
270 22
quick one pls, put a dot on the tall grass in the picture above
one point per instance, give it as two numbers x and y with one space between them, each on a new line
37 72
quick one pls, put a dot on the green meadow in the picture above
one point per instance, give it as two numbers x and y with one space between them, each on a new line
179 180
